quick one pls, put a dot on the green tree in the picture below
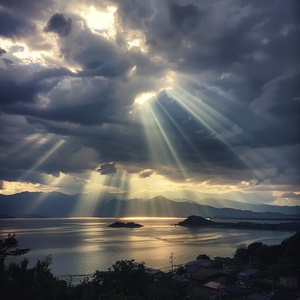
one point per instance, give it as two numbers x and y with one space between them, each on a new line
166 288
126 277
17 281
193 294
268 255
291 249
240 254
9 247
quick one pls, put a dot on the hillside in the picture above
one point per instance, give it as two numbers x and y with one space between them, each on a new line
61 205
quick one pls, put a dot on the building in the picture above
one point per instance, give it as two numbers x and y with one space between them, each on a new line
290 282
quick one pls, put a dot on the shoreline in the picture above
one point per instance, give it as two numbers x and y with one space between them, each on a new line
197 221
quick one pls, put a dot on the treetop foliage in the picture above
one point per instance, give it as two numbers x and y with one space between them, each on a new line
9 247
265 255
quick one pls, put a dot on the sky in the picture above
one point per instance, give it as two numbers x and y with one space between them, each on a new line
189 99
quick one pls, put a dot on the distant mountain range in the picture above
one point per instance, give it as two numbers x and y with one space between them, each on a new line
61 205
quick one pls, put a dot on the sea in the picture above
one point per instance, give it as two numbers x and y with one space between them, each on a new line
80 246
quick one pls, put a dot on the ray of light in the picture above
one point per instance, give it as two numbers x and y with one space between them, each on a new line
167 141
125 185
96 187
181 132
30 140
224 95
119 184
42 159
163 207
210 118
159 142
88 200
201 112
155 207
46 156
157 149
53 182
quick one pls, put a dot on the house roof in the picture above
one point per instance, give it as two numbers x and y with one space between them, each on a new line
204 262
178 277
288 278
245 283
284 296
248 272
193 266
214 285
259 296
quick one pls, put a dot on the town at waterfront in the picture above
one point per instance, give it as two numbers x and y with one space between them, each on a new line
256 271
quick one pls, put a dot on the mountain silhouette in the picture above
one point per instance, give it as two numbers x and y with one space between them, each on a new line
62 205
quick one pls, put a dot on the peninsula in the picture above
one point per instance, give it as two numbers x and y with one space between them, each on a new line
197 221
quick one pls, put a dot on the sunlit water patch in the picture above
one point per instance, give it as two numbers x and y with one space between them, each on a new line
81 246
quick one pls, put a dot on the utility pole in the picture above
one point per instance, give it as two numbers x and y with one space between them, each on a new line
172 261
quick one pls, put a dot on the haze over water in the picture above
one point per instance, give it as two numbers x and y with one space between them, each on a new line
84 245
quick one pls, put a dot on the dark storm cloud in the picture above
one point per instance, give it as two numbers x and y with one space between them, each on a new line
111 68
184 17
28 7
89 102
26 90
134 14
78 115
14 174
40 153
237 38
11 92
96 55
238 58
107 168
14 25
7 61
112 141
59 24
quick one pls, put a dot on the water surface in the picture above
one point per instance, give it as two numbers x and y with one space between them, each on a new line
83 245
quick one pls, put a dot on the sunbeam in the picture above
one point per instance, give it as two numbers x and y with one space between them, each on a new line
92 191
46 156
167 141
202 112
31 141
95 189
216 124
179 129
160 145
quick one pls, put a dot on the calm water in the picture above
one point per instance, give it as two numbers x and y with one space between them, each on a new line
83 245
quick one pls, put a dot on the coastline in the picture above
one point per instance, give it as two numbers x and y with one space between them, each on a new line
198 221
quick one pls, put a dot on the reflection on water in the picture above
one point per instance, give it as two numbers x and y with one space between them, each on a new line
84 245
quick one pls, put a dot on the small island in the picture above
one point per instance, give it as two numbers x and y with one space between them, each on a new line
126 225
197 221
